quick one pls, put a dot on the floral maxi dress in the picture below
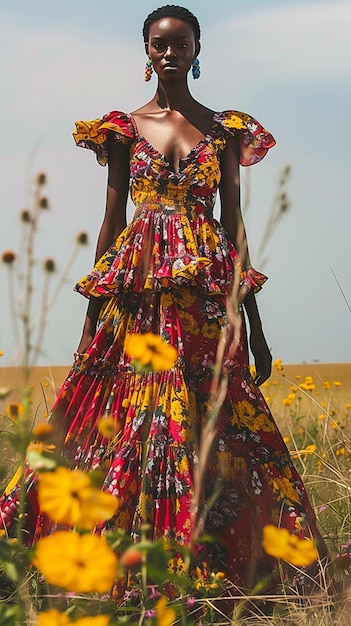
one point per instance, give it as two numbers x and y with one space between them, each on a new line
168 273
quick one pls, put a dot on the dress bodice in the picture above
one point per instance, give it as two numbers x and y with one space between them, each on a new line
173 237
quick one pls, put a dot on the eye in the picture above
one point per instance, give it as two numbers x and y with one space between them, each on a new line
159 46
182 45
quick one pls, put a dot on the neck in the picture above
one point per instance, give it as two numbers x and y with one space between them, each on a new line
173 96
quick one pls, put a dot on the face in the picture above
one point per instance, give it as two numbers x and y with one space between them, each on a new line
171 48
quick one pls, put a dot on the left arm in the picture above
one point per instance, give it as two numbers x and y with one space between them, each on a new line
232 221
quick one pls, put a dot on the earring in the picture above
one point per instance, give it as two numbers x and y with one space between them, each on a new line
195 68
148 71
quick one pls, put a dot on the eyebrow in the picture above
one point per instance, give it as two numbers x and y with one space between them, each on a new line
162 38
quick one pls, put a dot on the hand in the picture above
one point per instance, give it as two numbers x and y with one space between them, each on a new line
262 356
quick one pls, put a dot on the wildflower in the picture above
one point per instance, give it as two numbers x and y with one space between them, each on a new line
41 178
337 383
321 416
49 266
132 558
308 450
278 365
88 565
108 426
287 401
165 615
347 406
293 389
82 239
286 439
40 456
1 353
14 410
298 376
43 203
54 618
8 257
150 352
42 431
68 497
281 544
26 216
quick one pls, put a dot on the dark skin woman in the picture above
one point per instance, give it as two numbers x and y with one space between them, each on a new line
163 282
174 122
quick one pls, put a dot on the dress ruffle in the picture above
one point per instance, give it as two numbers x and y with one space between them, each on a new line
161 251
93 134
254 139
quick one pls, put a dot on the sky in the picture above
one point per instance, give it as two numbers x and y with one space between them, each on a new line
287 63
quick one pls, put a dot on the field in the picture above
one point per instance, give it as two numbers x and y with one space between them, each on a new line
312 406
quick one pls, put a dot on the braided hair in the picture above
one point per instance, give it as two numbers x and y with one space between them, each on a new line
171 10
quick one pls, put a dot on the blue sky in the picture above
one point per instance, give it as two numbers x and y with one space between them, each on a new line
286 63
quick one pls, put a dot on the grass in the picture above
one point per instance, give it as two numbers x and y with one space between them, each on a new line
313 413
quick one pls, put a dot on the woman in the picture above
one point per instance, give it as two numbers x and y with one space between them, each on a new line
168 273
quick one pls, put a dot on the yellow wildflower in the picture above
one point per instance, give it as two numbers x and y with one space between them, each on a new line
55 618
278 365
337 383
165 615
68 497
287 401
281 544
150 351
14 410
80 563
348 406
42 431
326 384
1 353
108 426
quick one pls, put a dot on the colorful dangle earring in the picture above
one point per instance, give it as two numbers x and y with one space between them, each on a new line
148 71
195 68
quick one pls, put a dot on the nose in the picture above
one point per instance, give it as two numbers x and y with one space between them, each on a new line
169 52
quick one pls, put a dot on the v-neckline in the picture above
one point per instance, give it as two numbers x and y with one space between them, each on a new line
142 138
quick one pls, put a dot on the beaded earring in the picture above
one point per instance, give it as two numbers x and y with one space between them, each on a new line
148 71
195 68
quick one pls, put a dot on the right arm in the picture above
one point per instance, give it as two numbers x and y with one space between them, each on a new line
113 223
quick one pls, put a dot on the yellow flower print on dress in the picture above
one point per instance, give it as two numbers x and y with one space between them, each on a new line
210 331
189 323
285 490
234 121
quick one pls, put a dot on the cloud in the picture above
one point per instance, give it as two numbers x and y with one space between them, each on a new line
291 43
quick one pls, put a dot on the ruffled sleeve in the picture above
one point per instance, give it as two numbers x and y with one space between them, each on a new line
254 140
93 134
